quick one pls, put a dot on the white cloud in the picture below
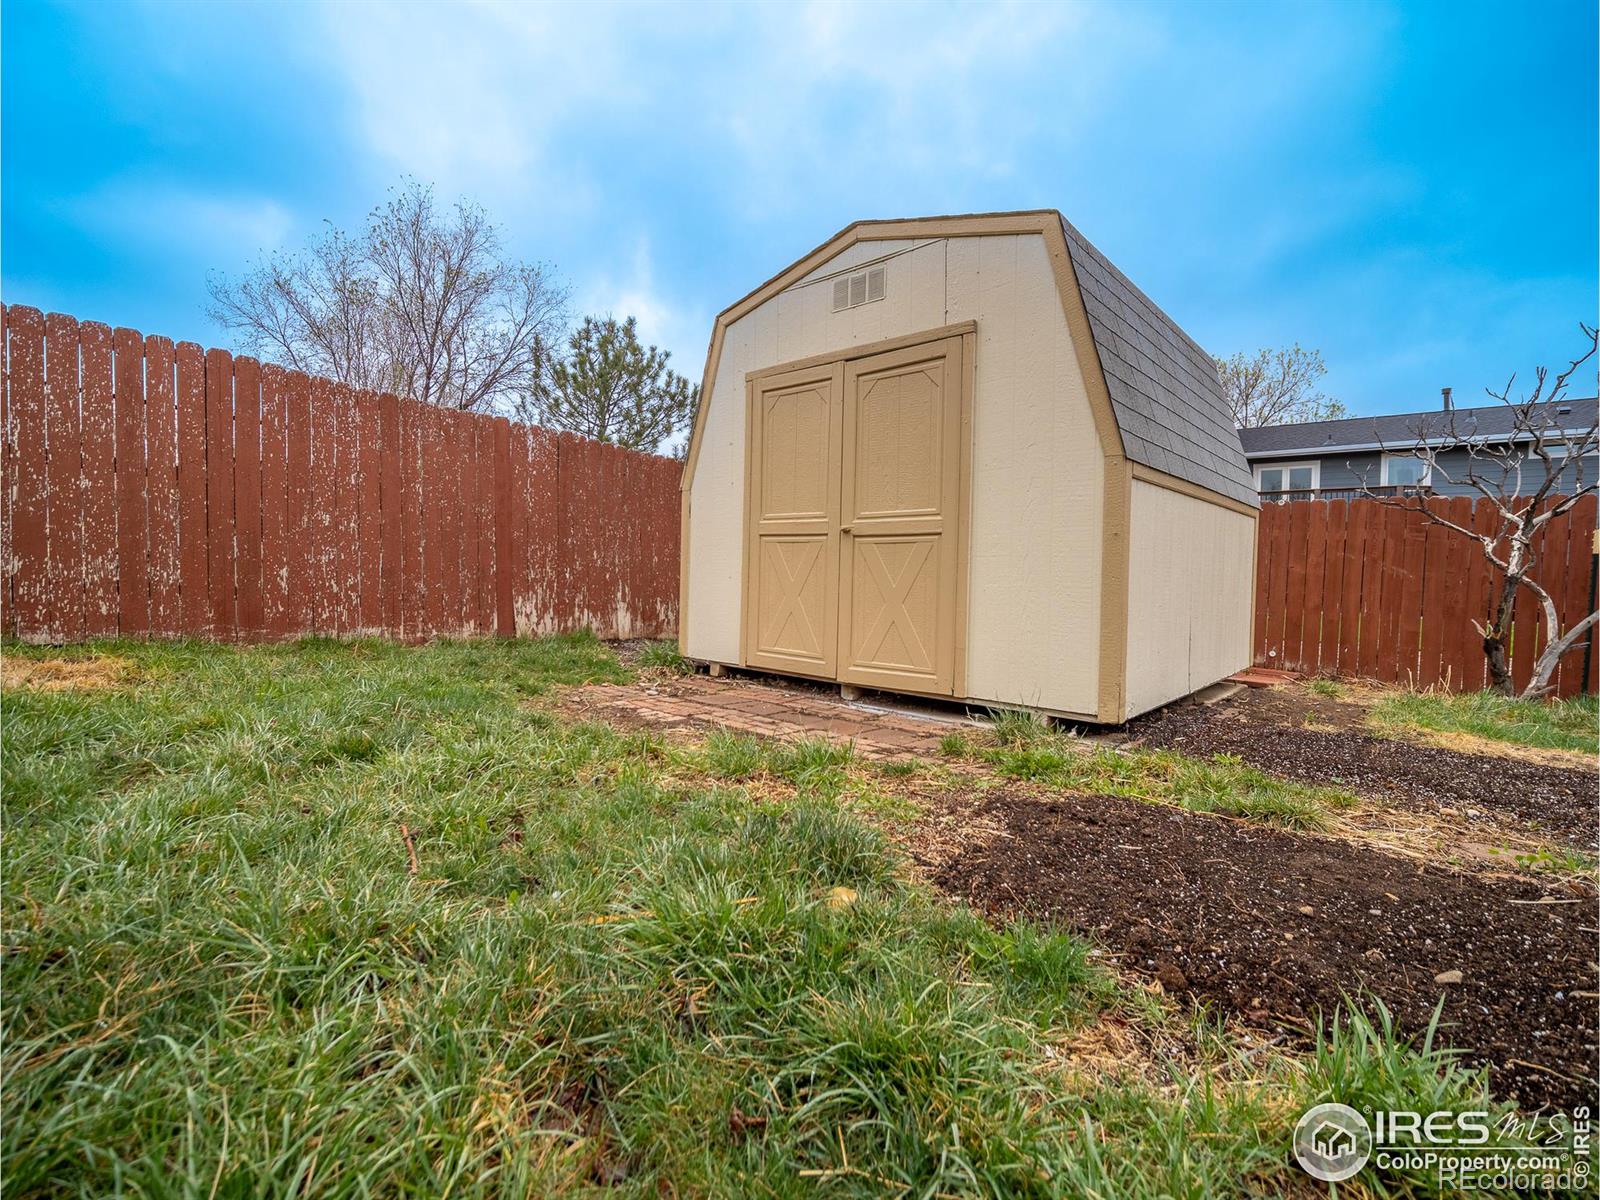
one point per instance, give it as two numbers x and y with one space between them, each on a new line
664 321
531 103
873 101
469 96
229 227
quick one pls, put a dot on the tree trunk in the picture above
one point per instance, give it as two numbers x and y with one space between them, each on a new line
1555 649
1495 638
1499 671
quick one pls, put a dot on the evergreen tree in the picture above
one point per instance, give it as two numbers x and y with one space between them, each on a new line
613 389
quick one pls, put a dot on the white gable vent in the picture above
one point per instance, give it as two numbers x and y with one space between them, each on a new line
860 288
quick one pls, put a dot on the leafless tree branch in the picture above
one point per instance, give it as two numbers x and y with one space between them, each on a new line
423 303
1540 435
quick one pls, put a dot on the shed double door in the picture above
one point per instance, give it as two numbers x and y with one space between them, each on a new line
853 500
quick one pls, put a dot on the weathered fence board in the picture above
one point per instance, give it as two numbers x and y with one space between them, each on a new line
1364 588
161 484
30 484
154 490
105 494
64 564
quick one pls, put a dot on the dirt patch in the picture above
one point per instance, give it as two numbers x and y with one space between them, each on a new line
1300 706
1483 790
66 674
1273 927
628 650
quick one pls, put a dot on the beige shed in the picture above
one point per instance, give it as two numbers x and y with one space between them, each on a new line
965 457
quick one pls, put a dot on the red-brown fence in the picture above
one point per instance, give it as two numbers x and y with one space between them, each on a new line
162 490
1361 588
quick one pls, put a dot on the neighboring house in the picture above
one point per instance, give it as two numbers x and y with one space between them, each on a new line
1325 460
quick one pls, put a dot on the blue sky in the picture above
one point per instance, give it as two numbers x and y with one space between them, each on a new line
1410 188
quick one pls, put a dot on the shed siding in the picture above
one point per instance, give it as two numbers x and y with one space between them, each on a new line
1037 487
1190 586
859 254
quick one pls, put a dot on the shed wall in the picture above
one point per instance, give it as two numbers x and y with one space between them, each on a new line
1037 468
1190 587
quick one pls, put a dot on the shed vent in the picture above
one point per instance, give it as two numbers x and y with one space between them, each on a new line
860 288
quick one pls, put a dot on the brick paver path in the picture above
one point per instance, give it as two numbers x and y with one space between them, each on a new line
768 710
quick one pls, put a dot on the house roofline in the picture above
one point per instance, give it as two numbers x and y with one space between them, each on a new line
1402 447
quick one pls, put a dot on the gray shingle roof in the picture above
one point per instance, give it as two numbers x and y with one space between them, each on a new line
1164 387
1400 430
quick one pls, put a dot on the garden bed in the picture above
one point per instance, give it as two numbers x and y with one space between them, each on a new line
1268 730
1277 927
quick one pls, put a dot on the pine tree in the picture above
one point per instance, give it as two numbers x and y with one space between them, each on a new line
613 389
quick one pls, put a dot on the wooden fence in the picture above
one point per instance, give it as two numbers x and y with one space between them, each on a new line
161 490
1360 588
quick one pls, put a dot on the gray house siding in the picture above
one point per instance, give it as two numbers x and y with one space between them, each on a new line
1340 472
1348 470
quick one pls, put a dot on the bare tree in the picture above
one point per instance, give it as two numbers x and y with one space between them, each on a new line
1276 387
1494 470
422 303
612 388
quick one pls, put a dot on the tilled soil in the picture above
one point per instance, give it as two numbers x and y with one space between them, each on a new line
1555 801
1275 927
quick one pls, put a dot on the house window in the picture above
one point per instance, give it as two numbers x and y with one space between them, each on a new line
1278 478
1405 470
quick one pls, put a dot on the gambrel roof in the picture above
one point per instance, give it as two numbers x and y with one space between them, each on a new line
1164 387
1161 402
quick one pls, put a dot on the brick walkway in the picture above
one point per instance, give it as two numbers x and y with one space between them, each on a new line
767 710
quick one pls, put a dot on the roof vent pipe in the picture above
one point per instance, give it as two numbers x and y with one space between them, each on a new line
1448 403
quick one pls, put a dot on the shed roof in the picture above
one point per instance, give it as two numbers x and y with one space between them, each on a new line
1165 399
1400 431
1164 387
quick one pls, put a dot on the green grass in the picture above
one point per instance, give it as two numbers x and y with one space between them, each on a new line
1330 688
902 768
1221 784
815 765
734 756
1017 728
664 656
1552 724
221 976
1561 861
1027 746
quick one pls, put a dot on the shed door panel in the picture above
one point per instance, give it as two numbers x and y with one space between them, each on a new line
901 484
793 547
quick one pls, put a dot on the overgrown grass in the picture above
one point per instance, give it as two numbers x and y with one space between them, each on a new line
1221 784
1027 746
664 656
222 975
815 765
1016 728
1552 724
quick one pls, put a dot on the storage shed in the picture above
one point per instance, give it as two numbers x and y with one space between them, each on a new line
965 457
